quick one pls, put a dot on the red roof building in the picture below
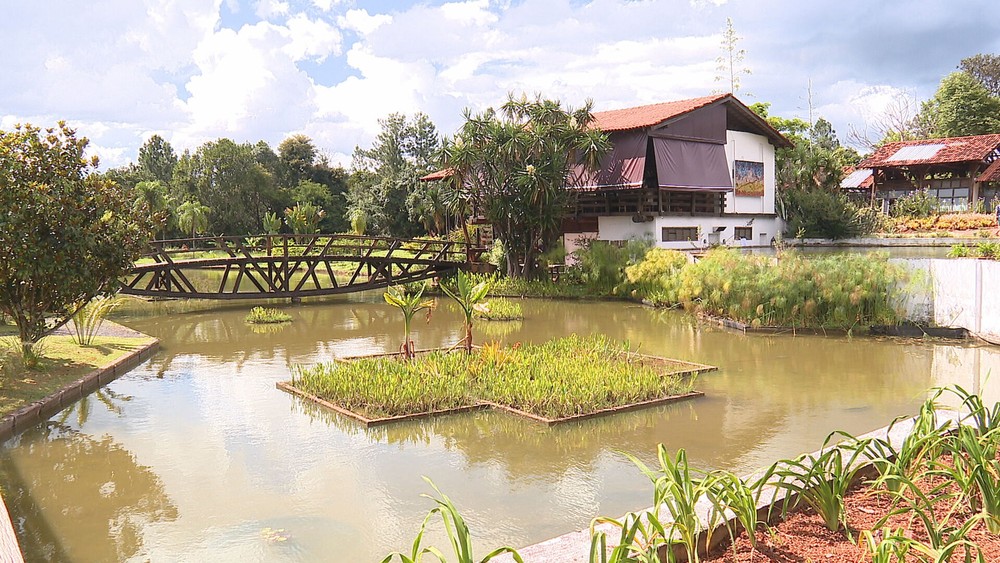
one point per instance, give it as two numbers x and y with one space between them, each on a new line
960 171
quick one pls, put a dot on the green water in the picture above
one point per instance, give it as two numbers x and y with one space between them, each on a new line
195 456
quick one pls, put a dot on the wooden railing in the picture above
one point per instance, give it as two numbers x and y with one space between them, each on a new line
293 266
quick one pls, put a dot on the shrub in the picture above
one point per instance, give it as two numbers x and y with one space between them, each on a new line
822 214
918 203
656 275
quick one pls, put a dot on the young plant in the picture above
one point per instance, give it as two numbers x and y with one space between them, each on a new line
677 488
976 472
458 535
922 444
639 541
820 481
88 318
410 304
732 496
468 295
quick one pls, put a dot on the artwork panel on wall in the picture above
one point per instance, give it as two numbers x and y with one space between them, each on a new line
748 178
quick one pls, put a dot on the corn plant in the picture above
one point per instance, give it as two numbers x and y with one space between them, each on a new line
468 295
733 496
820 481
458 535
88 318
410 304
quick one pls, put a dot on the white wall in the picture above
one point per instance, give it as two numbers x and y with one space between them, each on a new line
753 148
622 228
957 293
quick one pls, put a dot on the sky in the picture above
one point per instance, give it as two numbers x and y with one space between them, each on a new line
120 71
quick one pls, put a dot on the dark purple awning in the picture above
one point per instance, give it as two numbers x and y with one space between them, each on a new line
691 165
620 168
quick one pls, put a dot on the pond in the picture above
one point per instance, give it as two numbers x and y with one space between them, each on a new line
195 456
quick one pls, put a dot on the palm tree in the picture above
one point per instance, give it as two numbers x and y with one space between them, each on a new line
192 217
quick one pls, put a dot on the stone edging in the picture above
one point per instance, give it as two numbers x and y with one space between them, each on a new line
33 413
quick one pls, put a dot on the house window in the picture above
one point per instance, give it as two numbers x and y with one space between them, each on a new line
679 234
743 233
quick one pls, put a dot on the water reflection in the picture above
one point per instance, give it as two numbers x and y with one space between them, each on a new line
68 488
236 456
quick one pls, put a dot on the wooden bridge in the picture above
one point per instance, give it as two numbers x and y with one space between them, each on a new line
290 266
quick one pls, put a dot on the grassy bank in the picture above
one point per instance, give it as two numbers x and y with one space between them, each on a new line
63 362
564 377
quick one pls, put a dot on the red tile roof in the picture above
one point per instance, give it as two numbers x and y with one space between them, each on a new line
992 173
439 175
647 116
955 149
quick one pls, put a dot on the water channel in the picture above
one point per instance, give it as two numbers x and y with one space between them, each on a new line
195 456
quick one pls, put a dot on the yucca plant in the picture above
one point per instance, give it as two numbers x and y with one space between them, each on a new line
458 534
820 481
410 304
88 318
468 295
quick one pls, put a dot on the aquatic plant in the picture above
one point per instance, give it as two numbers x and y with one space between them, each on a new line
267 315
409 303
500 309
469 295
561 378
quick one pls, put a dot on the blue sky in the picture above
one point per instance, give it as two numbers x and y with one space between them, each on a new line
196 70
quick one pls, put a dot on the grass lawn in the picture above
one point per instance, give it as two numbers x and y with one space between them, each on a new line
64 362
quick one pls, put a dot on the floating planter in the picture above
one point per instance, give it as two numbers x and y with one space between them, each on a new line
562 380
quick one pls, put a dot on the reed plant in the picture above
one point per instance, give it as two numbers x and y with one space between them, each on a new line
841 291
561 378
267 315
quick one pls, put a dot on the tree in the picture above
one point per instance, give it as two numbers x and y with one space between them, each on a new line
157 158
961 106
384 176
730 63
985 69
192 217
899 120
297 155
228 179
154 197
66 234
512 166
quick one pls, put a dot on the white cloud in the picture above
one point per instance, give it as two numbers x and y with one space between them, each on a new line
363 22
476 12
268 9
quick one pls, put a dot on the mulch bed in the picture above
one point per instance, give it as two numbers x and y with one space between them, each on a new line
803 537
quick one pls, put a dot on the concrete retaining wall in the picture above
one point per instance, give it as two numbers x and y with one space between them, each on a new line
957 293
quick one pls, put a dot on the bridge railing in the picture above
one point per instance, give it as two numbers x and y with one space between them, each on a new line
291 246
